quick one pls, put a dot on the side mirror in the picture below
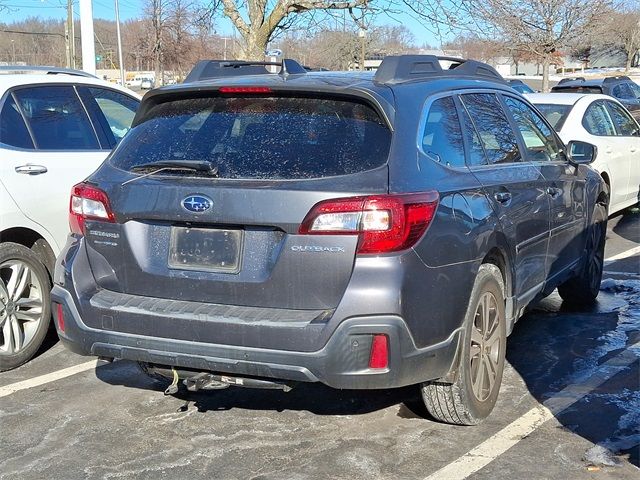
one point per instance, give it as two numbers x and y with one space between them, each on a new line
581 153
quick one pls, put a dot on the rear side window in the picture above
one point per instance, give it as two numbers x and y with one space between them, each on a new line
261 137
118 110
57 118
538 139
13 131
493 127
442 136
623 91
596 120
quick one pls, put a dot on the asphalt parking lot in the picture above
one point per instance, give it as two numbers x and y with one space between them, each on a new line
569 408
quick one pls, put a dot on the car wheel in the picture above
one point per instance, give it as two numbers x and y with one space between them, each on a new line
25 305
473 394
584 287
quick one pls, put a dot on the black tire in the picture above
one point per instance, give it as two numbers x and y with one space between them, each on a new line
15 252
585 286
458 403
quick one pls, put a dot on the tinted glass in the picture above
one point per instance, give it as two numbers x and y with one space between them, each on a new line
597 121
117 108
12 128
522 88
623 91
555 114
497 136
538 139
635 89
625 125
57 118
442 137
475 151
261 138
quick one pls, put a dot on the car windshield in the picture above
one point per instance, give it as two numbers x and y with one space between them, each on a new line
555 114
261 137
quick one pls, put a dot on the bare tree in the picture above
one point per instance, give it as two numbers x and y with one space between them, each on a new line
623 32
258 21
540 27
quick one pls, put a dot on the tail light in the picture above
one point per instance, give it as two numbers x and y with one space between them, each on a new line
88 203
384 223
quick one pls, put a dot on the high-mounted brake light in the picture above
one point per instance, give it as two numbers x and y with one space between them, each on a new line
244 90
384 223
88 203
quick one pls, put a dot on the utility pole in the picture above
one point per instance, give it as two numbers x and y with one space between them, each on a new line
86 35
120 60
71 35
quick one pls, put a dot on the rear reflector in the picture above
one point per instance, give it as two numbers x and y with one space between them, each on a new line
384 223
244 90
60 317
379 357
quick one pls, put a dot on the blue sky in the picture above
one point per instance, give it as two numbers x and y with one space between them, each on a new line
20 9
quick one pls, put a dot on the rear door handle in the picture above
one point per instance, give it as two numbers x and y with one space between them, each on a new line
502 197
31 169
554 192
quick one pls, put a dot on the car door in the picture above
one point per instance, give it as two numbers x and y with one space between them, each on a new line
564 186
514 186
60 149
601 131
628 142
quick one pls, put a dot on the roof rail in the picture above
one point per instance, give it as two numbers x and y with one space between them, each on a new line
26 69
208 69
616 78
571 79
404 68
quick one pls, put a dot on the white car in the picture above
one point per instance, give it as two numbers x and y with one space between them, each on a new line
56 127
604 122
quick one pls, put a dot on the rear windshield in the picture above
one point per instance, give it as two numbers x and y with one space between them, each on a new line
261 137
555 114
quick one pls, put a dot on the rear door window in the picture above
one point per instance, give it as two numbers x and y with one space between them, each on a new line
57 118
498 138
261 137
625 125
442 135
13 131
597 121
114 111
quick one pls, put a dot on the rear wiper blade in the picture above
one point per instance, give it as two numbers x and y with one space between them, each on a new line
195 165
200 166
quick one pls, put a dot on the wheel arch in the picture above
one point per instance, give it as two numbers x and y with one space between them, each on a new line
33 240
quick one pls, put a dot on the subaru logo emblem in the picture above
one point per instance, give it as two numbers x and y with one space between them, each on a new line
197 203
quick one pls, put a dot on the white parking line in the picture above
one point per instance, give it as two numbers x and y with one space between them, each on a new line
485 453
48 378
620 256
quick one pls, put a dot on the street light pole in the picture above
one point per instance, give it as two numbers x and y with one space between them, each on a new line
120 60
86 37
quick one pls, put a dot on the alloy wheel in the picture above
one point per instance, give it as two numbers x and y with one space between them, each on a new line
21 306
486 340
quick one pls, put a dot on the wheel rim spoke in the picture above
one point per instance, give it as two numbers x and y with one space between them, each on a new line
29 315
7 333
4 293
18 336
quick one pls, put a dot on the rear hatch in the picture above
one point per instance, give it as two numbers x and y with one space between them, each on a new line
228 234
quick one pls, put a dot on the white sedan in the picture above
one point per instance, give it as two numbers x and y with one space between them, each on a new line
604 122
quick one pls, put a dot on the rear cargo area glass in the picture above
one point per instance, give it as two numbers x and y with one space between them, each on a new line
261 137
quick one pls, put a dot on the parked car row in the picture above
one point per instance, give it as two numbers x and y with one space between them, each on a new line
258 230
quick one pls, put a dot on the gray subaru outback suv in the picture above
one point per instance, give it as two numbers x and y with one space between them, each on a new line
356 229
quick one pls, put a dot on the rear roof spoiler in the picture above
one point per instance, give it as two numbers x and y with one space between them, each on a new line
405 68
210 69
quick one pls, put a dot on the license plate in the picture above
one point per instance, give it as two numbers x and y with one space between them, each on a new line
205 249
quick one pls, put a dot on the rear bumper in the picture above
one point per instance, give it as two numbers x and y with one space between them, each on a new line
341 363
